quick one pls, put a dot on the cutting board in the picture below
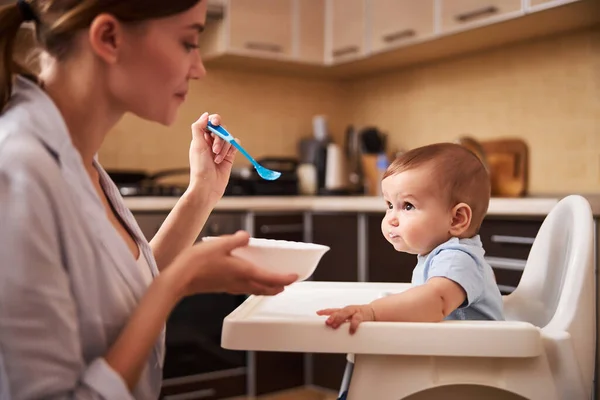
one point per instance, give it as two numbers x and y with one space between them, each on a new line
508 162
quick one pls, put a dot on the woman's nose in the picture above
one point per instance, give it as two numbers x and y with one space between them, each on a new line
197 71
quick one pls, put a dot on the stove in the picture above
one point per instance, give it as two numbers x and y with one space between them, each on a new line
243 181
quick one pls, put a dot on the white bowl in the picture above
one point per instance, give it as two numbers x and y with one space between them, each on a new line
281 256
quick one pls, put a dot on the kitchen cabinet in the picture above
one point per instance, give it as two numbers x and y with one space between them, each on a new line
150 222
399 22
542 4
353 38
345 30
211 389
340 233
460 14
385 264
276 371
287 30
263 27
311 31
257 28
507 243
340 263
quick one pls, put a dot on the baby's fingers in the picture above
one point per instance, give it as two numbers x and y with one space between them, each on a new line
354 322
328 311
338 318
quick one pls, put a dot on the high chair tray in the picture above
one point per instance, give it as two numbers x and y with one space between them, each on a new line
288 322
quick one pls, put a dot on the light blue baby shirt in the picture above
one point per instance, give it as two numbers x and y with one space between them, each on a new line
461 260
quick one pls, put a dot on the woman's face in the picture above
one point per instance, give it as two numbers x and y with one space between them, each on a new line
155 64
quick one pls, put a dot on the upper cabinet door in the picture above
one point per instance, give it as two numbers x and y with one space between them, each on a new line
543 4
395 22
261 27
311 31
459 14
345 21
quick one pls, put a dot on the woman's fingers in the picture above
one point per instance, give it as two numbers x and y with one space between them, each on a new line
267 278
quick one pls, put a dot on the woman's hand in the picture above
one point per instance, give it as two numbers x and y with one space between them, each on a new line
211 159
209 267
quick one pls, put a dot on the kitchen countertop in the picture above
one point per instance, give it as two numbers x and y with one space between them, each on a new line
526 206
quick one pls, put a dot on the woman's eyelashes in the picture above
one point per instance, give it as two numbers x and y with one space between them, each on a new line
189 46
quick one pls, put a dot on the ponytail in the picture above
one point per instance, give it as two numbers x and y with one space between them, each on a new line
11 19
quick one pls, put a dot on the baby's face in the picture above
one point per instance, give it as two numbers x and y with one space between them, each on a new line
417 218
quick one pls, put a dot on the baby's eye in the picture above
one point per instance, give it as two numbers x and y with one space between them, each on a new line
389 205
407 206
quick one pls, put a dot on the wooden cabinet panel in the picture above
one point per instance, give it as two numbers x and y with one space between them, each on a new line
394 22
279 226
385 263
549 3
277 371
346 23
261 26
340 233
456 14
209 389
508 238
507 243
311 30
150 222
328 370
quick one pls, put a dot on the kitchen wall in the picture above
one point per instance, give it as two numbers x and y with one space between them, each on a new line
546 92
269 114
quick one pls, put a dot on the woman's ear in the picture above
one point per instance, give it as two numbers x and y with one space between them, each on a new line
461 219
105 37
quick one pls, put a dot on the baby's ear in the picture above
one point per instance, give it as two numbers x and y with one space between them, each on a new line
461 219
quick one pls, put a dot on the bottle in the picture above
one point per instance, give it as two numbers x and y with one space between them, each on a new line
382 165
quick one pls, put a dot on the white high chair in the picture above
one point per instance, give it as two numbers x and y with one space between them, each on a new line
545 350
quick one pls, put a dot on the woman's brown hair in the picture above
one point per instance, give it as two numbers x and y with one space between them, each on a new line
57 21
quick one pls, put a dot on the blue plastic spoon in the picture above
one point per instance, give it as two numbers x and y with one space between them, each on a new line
264 173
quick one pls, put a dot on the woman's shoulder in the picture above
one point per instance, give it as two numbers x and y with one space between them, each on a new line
25 161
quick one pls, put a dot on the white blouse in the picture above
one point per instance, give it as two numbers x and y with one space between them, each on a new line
68 281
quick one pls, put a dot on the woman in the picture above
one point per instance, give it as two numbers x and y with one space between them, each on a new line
82 303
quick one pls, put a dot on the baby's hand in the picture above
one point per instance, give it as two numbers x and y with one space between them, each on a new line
354 314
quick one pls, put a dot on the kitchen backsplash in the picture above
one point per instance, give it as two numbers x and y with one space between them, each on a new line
268 113
545 91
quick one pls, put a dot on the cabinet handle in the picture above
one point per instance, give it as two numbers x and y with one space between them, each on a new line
198 394
506 288
289 228
481 12
510 264
512 239
344 51
271 47
405 34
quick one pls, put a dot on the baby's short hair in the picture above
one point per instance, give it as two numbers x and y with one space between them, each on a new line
457 171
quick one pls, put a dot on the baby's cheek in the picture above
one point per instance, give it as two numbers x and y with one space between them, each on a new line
384 226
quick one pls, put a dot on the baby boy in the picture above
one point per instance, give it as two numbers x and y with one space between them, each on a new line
436 197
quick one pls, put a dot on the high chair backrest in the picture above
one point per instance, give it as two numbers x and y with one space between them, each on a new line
557 289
